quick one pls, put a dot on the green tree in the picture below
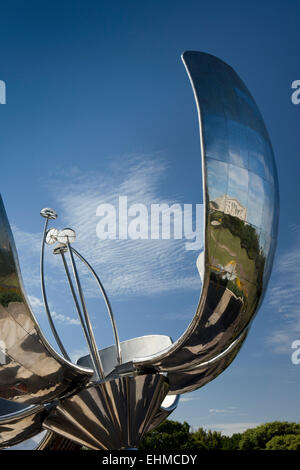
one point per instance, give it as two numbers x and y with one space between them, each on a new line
232 442
172 435
206 440
287 442
169 435
257 438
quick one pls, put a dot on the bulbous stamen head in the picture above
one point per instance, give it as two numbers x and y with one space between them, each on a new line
61 248
67 235
51 236
48 213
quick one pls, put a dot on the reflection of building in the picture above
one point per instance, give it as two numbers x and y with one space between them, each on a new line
231 206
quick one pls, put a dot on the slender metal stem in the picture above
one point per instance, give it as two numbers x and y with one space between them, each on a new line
87 337
94 350
110 312
55 334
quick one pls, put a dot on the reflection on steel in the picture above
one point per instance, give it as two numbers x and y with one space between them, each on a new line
241 218
53 441
33 372
112 397
126 405
16 427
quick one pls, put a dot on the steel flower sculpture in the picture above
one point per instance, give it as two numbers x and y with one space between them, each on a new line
111 398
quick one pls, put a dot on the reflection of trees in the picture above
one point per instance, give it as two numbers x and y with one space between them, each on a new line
7 265
249 239
7 297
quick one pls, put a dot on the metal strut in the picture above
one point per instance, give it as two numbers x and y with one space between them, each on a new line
91 342
107 303
43 288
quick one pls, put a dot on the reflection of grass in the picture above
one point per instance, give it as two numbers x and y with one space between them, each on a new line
230 285
9 289
235 259
10 280
229 248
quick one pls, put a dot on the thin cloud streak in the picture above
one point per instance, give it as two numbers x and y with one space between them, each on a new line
127 267
228 429
284 298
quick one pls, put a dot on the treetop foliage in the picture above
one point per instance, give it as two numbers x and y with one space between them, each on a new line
173 435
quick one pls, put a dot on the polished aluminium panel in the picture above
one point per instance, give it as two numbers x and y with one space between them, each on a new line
241 217
167 407
189 380
53 441
31 372
22 425
130 349
111 415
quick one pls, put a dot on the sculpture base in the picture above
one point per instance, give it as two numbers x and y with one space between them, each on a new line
111 415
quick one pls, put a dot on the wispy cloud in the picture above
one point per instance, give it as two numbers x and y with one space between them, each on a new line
127 267
38 307
77 353
284 297
185 399
230 428
230 409
65 319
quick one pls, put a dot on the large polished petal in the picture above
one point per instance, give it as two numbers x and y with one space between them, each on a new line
31 372
22 425
241 218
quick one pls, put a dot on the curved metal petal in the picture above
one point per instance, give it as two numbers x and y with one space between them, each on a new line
53 441
190 380
31 371
111 415
22 425
241 219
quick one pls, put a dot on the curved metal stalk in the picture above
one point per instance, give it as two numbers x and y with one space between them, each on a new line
87 337
43 288
92 343
108 306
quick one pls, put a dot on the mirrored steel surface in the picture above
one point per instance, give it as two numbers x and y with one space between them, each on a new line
241 218
31 371
190 380
130 349
53 441
22 425
113 415
167 407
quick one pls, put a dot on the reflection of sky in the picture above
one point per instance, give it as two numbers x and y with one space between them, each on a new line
253 192
256 197
238 182
249 100
217 178
240 160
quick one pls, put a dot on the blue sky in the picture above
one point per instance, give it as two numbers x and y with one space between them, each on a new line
99 105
